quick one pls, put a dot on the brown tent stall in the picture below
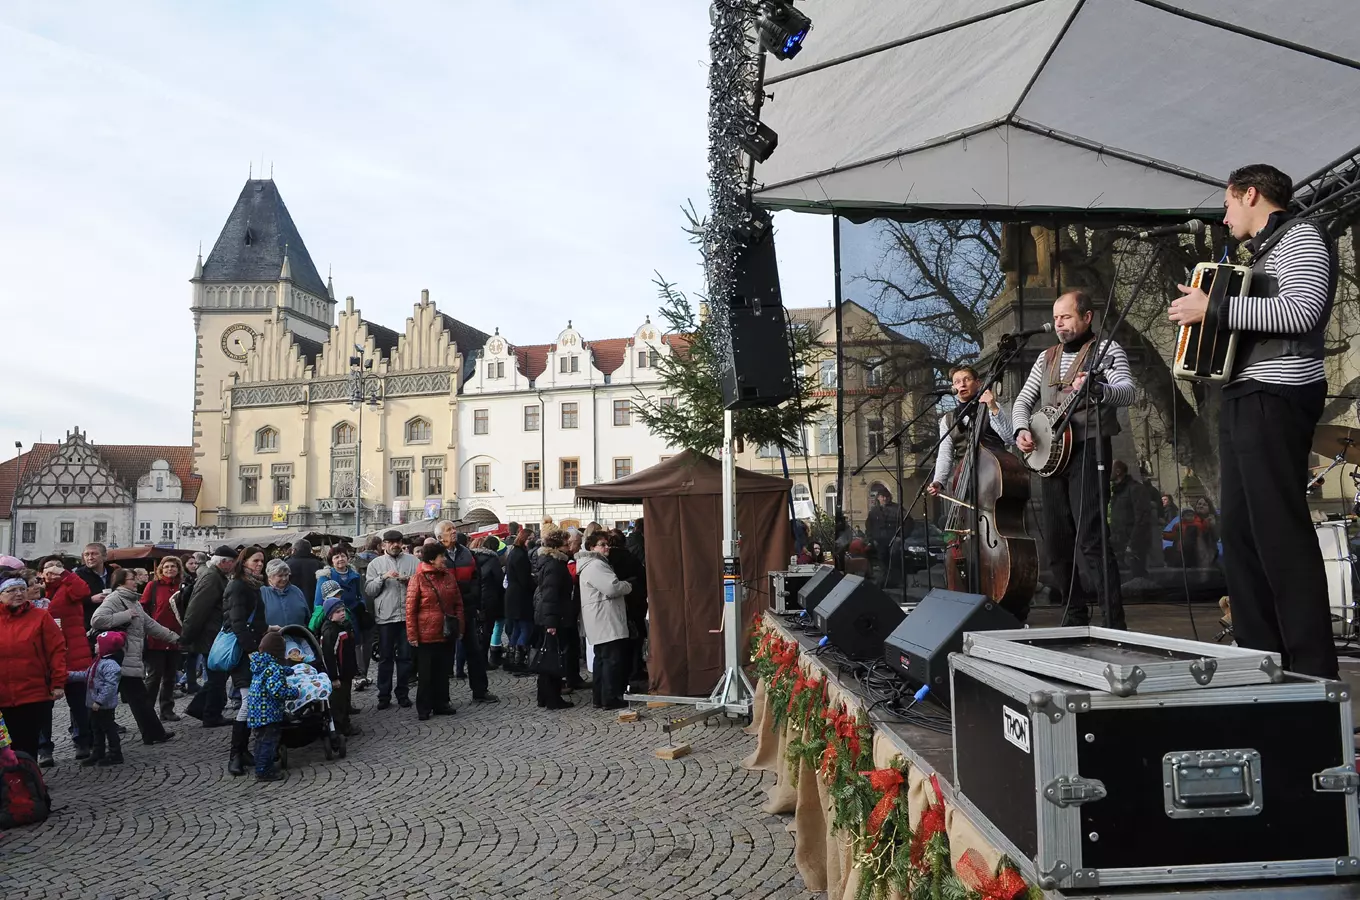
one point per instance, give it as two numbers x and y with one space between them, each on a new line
682 508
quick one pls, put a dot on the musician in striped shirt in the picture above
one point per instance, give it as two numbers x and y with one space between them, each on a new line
1074 499
1276 580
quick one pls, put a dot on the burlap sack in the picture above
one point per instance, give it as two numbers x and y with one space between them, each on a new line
782 797
809 820
762 759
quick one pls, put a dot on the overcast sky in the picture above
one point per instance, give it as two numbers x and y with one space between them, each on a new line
525 161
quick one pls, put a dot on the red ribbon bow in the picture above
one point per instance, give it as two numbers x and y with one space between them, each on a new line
1004 885
889 782
932 823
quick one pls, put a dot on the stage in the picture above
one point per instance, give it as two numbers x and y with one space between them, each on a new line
976 850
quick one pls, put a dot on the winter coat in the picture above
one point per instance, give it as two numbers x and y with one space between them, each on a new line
101 683
241 600
302 568
463 565
519 594
285 607
203 617
66 604
269 688
637 545
627 568
492 577
387 596
603 612
156 599
430 596
98 584
552 599
123 611
32 655
337 650
351 587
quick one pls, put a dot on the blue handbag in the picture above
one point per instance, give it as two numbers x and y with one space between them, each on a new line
225 654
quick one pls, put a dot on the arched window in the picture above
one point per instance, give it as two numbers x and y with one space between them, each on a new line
418 431
829 504
343 435
267 440
801 492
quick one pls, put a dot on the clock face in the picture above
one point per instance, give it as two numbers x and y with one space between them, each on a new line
237 341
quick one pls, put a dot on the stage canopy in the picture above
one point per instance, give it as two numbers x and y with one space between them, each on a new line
1099 106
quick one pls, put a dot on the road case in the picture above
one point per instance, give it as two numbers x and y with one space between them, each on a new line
1086 789
1123 662
784 587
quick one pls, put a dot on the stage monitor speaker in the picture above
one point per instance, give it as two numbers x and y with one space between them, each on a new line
857 617
919 647
761 373
817 587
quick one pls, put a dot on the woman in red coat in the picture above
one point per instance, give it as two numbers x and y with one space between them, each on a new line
162 657
431 595
32 665
66 594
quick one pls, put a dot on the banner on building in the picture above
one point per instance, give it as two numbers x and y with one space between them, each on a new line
280 518
433 508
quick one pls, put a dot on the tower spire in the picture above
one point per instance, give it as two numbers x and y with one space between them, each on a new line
198 266
286 272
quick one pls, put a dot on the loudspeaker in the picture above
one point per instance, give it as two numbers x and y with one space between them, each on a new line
817 587
761 373
919 647
857 617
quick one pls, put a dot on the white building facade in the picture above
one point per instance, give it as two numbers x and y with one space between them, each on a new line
537 421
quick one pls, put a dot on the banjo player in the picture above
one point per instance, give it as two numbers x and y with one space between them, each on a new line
1074 499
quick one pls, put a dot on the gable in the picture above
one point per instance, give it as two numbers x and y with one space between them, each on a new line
75 475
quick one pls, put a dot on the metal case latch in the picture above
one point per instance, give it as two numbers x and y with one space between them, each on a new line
1202 670
1202 783
1340 780
1073 790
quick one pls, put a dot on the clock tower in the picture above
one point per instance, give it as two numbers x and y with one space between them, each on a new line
259 268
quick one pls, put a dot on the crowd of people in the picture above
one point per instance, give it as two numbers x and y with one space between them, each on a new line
210 626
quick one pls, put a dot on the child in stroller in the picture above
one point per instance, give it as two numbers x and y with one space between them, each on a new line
310 716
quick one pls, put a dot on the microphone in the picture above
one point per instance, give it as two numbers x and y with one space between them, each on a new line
1194 226
1045 328
942 392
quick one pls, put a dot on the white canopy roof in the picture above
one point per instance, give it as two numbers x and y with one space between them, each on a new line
1105 106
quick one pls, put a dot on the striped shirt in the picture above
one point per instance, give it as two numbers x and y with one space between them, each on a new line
1114 373
944 459
1301 264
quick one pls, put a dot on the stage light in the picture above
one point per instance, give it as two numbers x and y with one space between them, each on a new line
758 139
782 29
753 229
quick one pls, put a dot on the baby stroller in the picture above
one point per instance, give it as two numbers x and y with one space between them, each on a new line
312 720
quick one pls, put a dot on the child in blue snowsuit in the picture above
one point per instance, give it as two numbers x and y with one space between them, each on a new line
269 688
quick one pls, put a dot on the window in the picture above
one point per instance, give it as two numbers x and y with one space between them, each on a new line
768 451
30 533
143 532
342 474
567 364
668 403
801 492
433 466
533 476
829 499
875 435
873 375
160 484
480 422
827 372
495 369
569 416
647 359
481 479
402 470
250 484
623 467
826 437
343 435
531 414
623 412
101 533
266 440
167 532
418 431
282 476
571 473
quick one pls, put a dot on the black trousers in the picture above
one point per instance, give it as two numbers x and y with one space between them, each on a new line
434 663
1276 580
105 729
570 636
211 698
162 668
341 702
475 652
80 720
611 665
1073 520
25 724
393 652
132 691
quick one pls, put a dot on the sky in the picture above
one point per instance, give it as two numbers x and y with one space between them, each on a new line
525 161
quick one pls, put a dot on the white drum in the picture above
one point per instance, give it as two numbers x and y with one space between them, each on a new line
1336 560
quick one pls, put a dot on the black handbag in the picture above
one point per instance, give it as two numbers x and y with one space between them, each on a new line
547 658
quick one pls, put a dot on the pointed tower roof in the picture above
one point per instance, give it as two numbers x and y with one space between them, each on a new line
259 234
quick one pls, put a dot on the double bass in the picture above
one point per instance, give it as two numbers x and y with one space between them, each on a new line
992 520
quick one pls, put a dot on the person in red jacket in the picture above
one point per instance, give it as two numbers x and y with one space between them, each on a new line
432 596
159 598
32 665
66 594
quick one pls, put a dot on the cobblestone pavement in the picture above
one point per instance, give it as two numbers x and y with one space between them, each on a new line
502 800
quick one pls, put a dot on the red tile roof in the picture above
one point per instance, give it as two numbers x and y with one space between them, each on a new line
128 461
609 353
532 359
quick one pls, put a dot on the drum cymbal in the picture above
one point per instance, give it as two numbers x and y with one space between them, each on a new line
1329 440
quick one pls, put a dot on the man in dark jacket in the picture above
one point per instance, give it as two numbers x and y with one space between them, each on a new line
302 568
627 568
637 542
98 575
202 622
492 577
463 565
1130 513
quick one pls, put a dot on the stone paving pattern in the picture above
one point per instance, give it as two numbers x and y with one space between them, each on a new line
499 801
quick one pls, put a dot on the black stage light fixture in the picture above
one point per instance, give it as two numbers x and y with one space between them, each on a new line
782 28
758 139
754 229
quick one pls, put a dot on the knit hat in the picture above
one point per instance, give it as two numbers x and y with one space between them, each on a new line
11 562
225 552
276 567
12 582
329 605
110 642
272 643
330 588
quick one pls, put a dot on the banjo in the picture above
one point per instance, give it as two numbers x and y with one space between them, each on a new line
1051 432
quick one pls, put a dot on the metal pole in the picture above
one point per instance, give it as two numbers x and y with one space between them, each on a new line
543 455
359 457
840 372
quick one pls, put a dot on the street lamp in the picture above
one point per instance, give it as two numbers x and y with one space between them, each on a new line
363 391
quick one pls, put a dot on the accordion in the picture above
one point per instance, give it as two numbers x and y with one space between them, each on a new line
1203 351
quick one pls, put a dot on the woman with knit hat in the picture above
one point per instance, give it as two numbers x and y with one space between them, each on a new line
32 665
